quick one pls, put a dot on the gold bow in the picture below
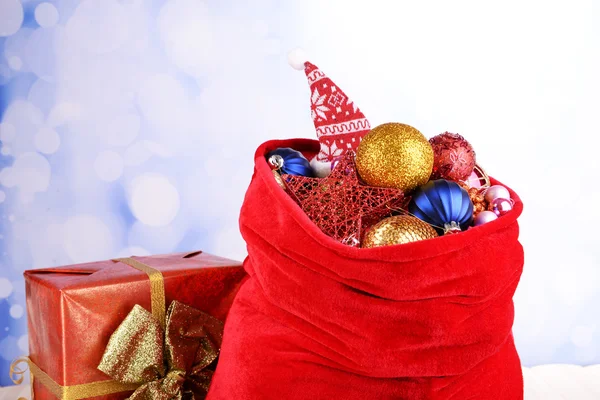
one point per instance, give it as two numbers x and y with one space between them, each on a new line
169 363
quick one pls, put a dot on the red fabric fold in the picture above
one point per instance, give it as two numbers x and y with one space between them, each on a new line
318 319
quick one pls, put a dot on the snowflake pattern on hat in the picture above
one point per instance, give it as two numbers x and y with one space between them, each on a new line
340 125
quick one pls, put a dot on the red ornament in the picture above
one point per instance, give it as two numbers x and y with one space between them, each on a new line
339 204
453 157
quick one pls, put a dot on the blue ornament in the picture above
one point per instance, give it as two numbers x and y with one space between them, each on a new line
289 161
443 204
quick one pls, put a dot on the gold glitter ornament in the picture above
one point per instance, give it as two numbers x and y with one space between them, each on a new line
279 179
399 229
395 155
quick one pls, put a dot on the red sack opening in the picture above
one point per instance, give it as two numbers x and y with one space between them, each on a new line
321 320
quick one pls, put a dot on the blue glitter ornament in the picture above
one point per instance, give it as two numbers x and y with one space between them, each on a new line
289 161
443 204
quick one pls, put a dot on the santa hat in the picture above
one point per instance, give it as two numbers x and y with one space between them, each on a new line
339 122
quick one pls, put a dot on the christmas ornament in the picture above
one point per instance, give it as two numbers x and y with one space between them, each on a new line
289 161
399 229
339 123
496 192
454 158
443 204
484 217
395 155
500 206
339 205
477 198
278 179
478 178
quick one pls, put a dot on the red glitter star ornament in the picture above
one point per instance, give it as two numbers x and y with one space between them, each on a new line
339 204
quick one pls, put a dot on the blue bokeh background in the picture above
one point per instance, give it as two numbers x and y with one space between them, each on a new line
128 127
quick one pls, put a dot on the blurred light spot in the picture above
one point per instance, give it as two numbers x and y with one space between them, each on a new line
9 348
5 151
30 173
99 26
23 230
7 132
23 344
137 154
142 151
164 104
47 140
6 288
14 45
87 238
46 15
42 95
575 286
161 239
133 251
15 62
4 74
26 198
11 218
11 17
40 52
24 117
582 336
185 29
229 241
16 311
64 112
154 200
2 196
157 148
109 166
123 129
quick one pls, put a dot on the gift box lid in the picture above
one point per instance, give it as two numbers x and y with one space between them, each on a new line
109 271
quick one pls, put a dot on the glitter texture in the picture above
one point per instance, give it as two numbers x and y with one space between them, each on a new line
339 205
395 155
278 179
399 229
167 364
132 354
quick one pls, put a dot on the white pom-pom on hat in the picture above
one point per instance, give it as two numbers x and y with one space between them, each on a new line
322 169
297 58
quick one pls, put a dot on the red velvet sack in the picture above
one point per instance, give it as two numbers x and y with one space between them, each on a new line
321 320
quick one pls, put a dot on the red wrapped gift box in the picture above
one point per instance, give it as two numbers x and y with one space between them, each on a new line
73 310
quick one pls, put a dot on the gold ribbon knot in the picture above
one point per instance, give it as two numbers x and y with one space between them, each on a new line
169 363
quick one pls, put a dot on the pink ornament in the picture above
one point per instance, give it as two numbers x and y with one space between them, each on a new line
484 217
500 206
496 192
453 157
474 180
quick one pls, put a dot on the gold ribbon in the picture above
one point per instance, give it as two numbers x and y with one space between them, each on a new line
157 287
102 388
73 392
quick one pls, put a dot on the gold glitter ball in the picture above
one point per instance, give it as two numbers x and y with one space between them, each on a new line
279 179
395 155
399 229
